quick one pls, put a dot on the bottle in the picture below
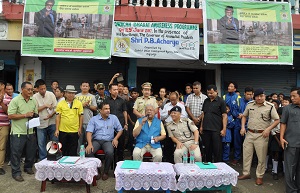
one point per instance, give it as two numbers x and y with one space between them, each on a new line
82 152
185 157
192 157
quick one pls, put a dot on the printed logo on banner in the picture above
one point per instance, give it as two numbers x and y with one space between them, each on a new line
122 45
106 8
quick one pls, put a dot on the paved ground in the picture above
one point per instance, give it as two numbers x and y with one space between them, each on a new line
31 185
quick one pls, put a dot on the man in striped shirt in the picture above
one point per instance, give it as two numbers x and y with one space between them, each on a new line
194 103
4 124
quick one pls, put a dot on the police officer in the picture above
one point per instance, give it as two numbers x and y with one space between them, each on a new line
142 101
260 114
185 134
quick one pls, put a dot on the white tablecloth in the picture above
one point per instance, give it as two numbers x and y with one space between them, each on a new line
191 176
83 169
150 175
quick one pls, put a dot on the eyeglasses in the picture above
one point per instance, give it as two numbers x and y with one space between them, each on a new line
29 89
49 5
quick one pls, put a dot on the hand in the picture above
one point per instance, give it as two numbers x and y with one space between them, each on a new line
223 132
243 131
283 143
179 145
115 143
126 127
240 116
47 13
156 139
196 121
29 114
86 104
48 106
89 149
201 130
132 123
116 75
48 117
266 133
1 98
56 134
144 120
193 147
79 131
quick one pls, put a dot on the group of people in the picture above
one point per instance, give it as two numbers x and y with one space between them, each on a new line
165 126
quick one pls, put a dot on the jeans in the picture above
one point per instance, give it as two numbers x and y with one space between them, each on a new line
82 137
42 139
17 144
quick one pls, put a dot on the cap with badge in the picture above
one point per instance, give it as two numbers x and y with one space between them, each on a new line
147 84
70 88
176 109
259 92
100 86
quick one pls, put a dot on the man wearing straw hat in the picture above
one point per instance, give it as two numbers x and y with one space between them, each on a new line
69 118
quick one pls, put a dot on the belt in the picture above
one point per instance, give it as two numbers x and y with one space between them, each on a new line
255 131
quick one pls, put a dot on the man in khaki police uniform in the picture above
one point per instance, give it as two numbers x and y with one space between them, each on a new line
142 101
260 113
185 134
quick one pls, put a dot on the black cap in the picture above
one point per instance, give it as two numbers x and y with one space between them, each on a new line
259 92
176 108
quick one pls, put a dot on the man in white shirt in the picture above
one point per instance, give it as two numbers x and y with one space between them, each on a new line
46 107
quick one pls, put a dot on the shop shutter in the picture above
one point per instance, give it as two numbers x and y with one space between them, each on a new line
274 79
74 71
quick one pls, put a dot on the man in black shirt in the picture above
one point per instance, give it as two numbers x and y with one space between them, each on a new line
213 125
131 118
118 107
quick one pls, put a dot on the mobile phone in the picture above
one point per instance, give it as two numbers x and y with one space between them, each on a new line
120 77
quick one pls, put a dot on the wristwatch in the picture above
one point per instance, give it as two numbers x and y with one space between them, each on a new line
197 143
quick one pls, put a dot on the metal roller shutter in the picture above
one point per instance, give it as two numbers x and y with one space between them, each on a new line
74 71
274 79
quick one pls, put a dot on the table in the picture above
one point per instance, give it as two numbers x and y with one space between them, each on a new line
191 177
150 176
85 170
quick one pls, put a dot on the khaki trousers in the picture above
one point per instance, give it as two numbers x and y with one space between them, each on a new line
179 152
139 153
255 141
4 131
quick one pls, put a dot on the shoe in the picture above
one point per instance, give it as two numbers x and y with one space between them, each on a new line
104 176
234 162
275 176
98 177
259 181
8 163
23 160
29 171
244 177
18 178
2 172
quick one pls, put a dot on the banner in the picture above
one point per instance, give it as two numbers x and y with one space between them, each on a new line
159 40
65 28
247 32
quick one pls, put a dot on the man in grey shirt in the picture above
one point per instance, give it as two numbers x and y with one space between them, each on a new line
89 105
289 139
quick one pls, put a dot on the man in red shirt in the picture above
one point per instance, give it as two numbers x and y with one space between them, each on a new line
4 124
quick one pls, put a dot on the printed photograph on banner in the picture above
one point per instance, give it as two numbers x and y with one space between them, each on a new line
248 32
161 40
67 28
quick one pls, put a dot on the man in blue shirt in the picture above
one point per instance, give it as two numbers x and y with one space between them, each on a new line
100 135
